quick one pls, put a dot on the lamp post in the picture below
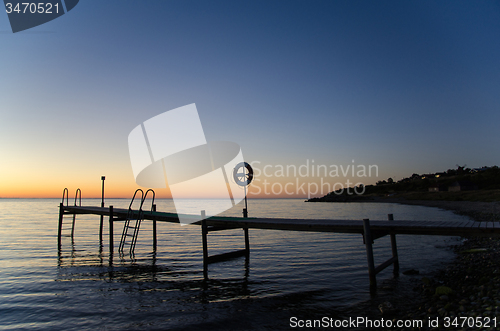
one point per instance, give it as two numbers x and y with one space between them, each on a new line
103 178
102 206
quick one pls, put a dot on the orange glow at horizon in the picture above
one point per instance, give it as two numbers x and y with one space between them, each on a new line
286 188
121 184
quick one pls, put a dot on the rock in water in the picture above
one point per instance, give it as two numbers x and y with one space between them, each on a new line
386 308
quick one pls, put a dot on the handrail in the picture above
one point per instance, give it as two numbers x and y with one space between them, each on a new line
76 194
130 215
132 201
65 192
145 197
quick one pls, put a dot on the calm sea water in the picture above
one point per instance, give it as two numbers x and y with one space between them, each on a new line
308 275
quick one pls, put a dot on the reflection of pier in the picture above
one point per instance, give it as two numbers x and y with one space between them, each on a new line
369 229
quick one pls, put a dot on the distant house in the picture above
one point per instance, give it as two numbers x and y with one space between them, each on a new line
475 170
438 188
424 176
462 186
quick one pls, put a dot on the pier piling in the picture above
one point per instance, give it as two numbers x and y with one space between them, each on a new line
154 230
369 253
102 206
247 243
394 248
111 248
204 233
369 238
59 228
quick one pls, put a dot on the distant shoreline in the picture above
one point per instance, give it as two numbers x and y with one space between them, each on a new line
479 211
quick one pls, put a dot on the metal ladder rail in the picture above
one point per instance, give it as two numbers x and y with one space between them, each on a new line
139 219
152 200
130 215
66 195
126 225
74 215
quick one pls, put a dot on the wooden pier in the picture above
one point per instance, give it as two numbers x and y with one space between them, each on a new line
369 229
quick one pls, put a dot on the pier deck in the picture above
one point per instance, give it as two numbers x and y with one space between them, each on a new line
369 229
441 228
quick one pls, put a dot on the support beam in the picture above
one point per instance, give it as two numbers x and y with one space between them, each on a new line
102 206
205 229
394 248
369 253
73 226
111 248
226 256
247 243
368 240
154 231
59 228
385 264
100 228
221 228
204 233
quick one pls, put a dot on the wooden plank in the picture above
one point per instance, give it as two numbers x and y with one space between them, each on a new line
222 228
226 256
385 264
430 224
468 224
454 225
448 224
458 225
417 224
378 234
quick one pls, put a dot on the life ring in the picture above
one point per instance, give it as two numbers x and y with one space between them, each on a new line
243 178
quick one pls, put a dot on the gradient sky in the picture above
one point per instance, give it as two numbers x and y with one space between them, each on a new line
409 86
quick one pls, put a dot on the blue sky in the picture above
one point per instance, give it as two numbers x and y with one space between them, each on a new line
410 86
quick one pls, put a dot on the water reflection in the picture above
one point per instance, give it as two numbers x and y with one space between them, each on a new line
146 275
292 274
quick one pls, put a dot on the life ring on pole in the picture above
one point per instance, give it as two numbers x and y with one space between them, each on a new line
245 177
